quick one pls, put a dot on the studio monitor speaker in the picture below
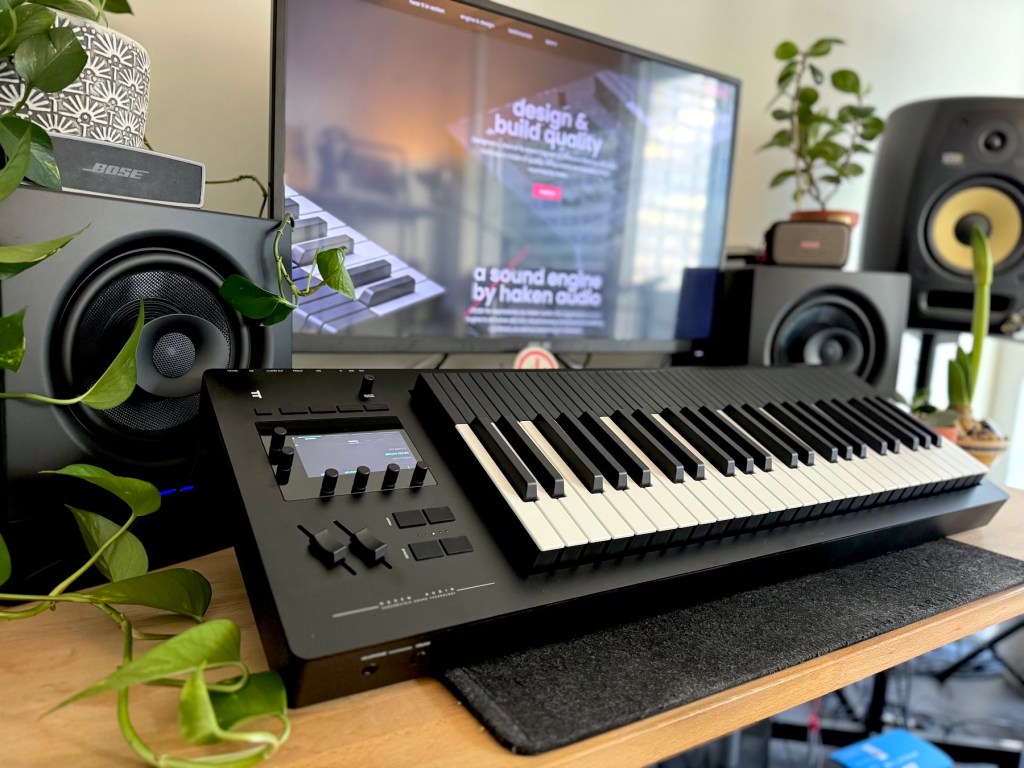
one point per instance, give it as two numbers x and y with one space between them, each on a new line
771 315
82 303
943 167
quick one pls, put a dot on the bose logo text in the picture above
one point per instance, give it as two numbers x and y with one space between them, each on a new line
116 170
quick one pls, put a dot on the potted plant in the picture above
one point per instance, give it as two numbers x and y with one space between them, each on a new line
944 421
977 436
823 141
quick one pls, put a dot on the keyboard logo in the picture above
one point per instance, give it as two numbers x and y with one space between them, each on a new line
257 394
116 170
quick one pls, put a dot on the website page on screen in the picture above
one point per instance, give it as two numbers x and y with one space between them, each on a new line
497 179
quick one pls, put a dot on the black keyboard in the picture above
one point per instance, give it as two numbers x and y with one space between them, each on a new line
390 521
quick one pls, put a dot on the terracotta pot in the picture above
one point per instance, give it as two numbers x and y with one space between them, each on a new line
849 218
984 449
950 433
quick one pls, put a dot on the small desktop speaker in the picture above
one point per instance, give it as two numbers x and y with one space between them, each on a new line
771 315
81 305
808 243
943 167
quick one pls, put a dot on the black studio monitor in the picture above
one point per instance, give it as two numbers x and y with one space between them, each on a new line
782 316
945 166
82 303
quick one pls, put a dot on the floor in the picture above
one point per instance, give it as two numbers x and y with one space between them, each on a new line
981 705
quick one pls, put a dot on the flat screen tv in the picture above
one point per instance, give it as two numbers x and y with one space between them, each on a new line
496 178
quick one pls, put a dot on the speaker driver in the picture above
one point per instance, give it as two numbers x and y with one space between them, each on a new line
826 328
992 205
188 328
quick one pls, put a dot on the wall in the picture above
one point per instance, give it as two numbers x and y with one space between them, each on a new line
211 70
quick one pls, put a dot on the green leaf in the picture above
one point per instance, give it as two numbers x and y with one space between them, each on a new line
281 313
958 397
5 561
42 167
15 259
176 590
920 399
141 497
17 164
50 61
871 128
8 22
124 559
781 114
12 340
331 264
262 695
250 300
946 418
779 178
861 112
780 139
861 148
849 170
114 6
823 47
817 74
807 95
74 7
964 363
32 19
846 80
197 722
118 382
212 643
786 50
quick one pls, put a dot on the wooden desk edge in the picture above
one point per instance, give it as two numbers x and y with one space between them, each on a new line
420 723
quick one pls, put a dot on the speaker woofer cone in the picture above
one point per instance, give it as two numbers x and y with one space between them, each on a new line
181 296
827 328
984 199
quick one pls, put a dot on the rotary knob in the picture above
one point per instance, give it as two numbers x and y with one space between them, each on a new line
366 387
390 477
360 479
284 465
277 443
329 483
419 474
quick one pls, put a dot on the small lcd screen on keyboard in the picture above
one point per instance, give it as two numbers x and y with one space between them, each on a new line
345 451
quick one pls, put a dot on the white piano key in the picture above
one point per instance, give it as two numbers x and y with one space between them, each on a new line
560 520
533 520
676 507
596 528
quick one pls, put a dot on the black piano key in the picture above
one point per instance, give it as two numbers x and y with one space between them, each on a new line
844 449
524 483
885 422
803 451
428 388
847 444
928 437
744 461
549 478
578 462
643 440
859 448
783 453
392 288
635 468
762 459
891 440
855 426
369 272
800 428
610 468
707 448
692 463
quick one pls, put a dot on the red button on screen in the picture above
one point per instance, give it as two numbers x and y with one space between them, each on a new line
547 192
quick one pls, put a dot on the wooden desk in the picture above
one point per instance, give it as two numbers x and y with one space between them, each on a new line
48 658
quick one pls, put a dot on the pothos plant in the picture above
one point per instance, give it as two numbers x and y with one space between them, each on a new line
49 58
823 141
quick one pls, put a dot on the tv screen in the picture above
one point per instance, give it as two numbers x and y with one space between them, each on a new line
495 179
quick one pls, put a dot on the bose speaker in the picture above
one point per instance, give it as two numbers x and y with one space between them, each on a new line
81 305
943 167
771 315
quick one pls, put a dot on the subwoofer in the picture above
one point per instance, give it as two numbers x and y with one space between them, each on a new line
82 304
772 315
943 167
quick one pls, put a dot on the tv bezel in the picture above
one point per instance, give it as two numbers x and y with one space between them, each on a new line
344 343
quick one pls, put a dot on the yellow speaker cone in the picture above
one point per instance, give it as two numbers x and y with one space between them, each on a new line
999 208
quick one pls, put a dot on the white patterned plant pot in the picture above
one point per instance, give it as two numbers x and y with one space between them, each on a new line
109 100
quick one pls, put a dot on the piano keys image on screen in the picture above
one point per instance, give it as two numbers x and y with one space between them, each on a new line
393 520
383 282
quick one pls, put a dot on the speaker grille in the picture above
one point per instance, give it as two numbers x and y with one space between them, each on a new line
106 323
